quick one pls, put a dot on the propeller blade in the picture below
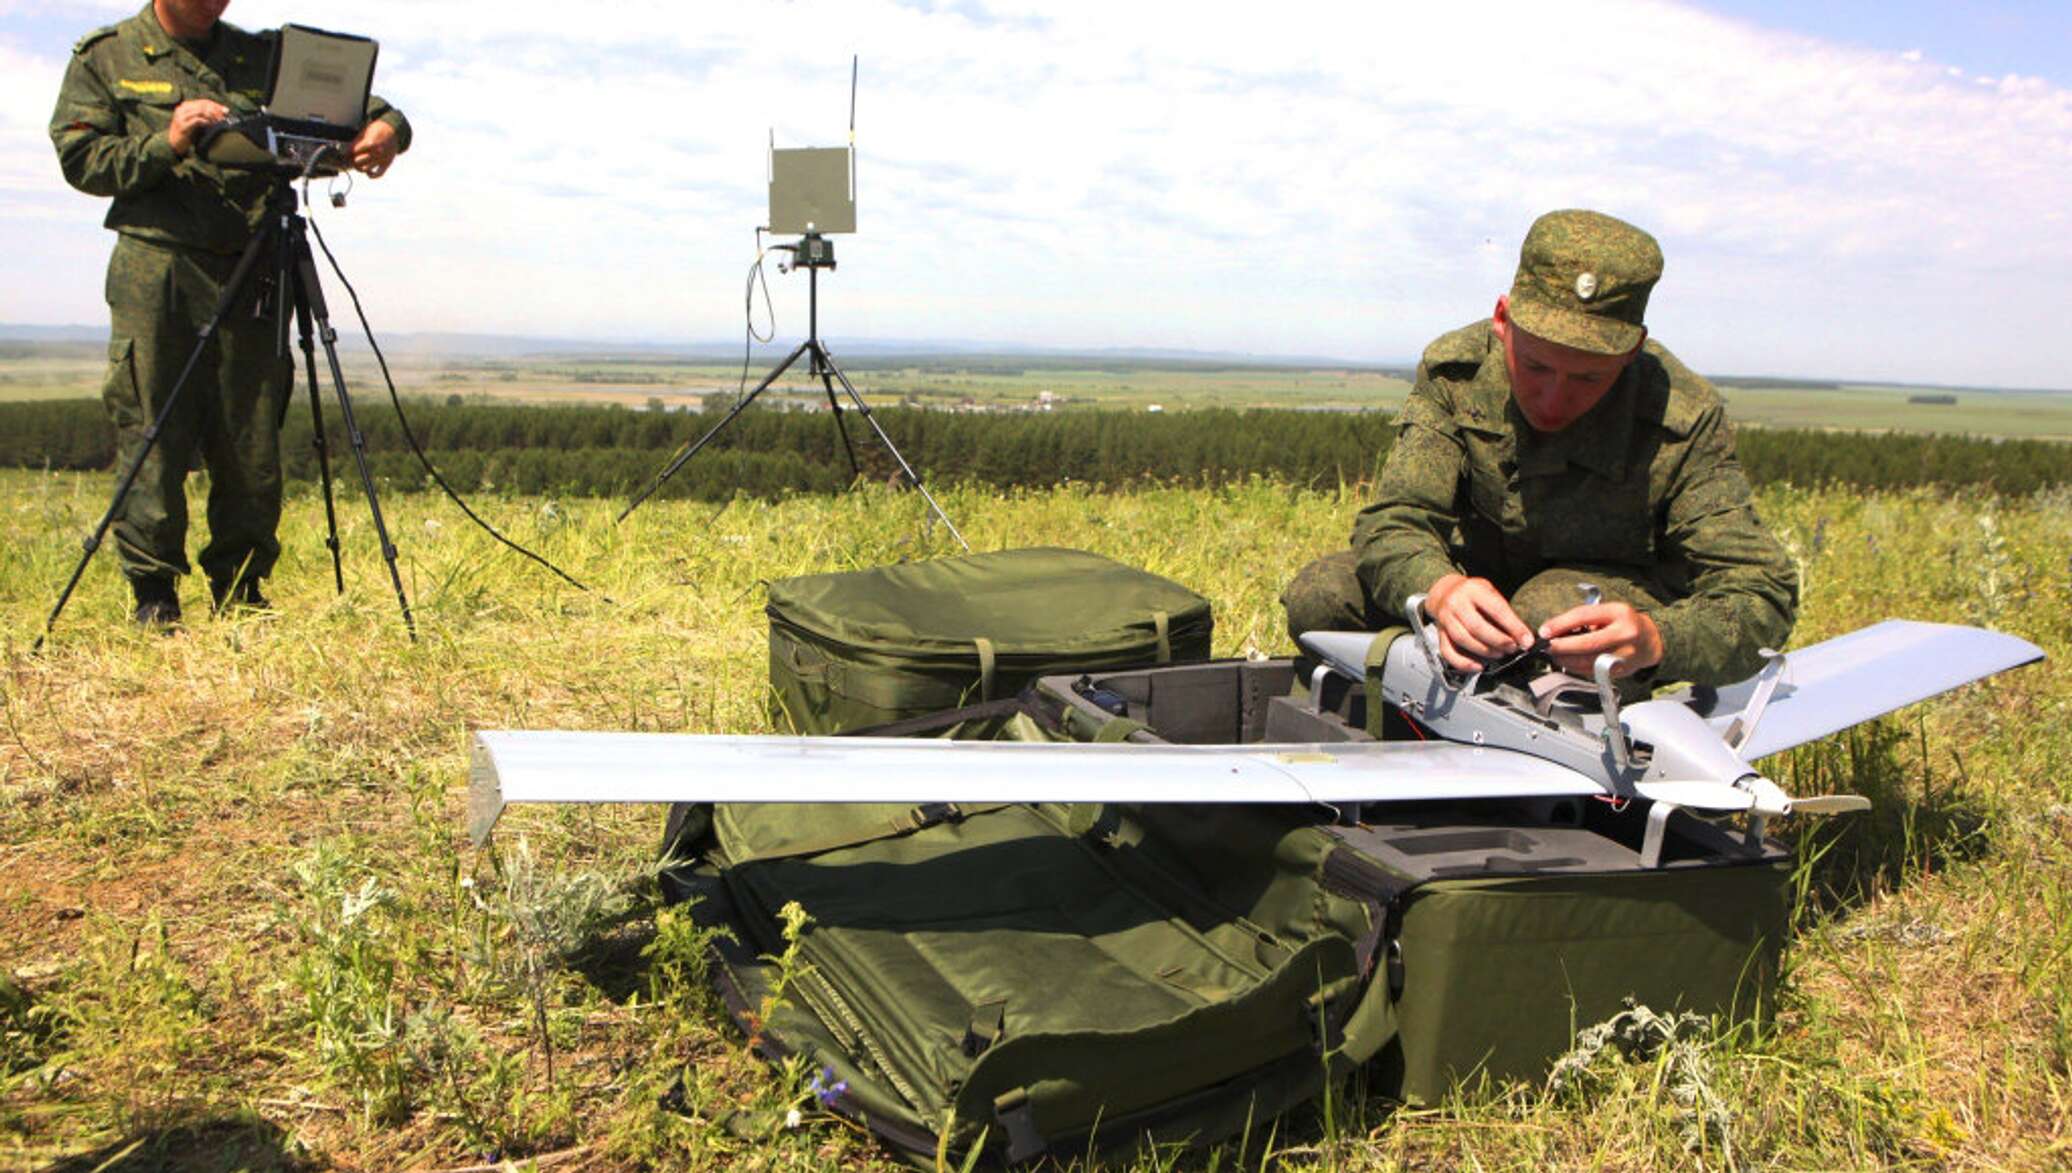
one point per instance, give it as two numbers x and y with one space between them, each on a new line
1830 804
1761 797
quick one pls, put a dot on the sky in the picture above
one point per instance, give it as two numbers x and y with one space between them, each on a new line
1857 190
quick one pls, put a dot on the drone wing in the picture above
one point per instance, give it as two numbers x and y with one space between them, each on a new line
1845 681
679 767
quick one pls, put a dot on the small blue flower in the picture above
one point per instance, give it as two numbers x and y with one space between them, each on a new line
827 1089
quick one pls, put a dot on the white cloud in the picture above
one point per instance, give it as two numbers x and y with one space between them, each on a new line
1347 178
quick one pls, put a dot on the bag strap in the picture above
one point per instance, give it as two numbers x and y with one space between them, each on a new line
1163 624
1118 730
986 661
988 1026
919 818
1349 874
930 722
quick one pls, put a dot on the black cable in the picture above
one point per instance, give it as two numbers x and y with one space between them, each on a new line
397 401
755 274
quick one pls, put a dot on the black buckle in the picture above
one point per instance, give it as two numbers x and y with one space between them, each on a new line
1017 1119
930 813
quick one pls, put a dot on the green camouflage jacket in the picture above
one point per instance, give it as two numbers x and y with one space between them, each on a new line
1646 485
110 130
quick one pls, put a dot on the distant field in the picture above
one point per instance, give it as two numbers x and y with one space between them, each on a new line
53 370
67 370
2033 415
947 385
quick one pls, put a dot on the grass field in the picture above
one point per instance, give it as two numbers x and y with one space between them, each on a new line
242 928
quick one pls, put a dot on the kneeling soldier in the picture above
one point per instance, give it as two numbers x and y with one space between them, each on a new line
1553 445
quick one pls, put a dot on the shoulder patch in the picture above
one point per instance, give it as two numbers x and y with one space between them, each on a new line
1685 395
1469 344
89 40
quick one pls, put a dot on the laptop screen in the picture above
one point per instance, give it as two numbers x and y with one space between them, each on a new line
321 79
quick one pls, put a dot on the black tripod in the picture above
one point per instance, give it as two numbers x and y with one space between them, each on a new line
812 253
283 240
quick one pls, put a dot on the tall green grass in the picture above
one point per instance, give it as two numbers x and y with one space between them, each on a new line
240 926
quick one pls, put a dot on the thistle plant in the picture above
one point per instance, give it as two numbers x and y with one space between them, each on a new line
346 976
549 917
1995 565
1679 1047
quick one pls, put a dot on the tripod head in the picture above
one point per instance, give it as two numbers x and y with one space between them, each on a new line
811 251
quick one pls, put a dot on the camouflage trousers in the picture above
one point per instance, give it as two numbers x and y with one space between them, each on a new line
227 416
1327 595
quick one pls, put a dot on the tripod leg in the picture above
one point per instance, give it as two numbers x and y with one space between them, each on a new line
684 457
863 409
842 426
231 294
309 293
316 423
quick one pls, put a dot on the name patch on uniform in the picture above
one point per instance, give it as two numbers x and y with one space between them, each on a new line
146 87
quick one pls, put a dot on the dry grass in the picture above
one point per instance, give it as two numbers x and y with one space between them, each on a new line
239 927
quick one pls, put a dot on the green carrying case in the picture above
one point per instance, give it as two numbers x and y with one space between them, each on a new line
1015 977
1045 981
1501 928
865 647
1050 980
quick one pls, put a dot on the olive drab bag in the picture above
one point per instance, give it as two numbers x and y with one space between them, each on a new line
869 646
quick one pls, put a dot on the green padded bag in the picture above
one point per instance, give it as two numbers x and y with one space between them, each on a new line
1007 977
866 647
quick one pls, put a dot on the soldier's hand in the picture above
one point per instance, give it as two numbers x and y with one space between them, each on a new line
1579 635
190 119
1475 622
374 149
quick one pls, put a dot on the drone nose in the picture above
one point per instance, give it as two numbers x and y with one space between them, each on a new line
1770 798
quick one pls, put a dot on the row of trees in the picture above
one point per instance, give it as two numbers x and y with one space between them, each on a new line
612 451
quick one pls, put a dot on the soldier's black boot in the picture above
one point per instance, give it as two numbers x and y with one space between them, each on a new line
243 594
158 601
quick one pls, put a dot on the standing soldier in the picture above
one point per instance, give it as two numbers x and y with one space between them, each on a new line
1551 445
137 98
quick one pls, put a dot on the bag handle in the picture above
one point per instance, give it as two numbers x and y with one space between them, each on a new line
985 668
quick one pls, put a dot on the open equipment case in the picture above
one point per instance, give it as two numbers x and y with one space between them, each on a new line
1048 979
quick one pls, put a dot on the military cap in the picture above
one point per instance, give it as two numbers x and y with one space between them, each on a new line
1583 281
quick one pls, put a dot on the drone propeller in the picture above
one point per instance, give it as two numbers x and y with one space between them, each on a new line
1830 804
1755 795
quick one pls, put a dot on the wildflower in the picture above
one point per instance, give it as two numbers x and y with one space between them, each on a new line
794 1118
827 1089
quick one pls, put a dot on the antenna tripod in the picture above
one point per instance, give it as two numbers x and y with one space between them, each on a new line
284 241
813 252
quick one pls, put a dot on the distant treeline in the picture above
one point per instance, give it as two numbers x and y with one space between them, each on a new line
1772 383
603 451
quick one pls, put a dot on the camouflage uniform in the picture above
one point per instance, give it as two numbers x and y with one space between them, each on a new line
1642 496
181 225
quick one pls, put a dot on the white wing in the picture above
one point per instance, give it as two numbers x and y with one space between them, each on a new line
1852 678
678 767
